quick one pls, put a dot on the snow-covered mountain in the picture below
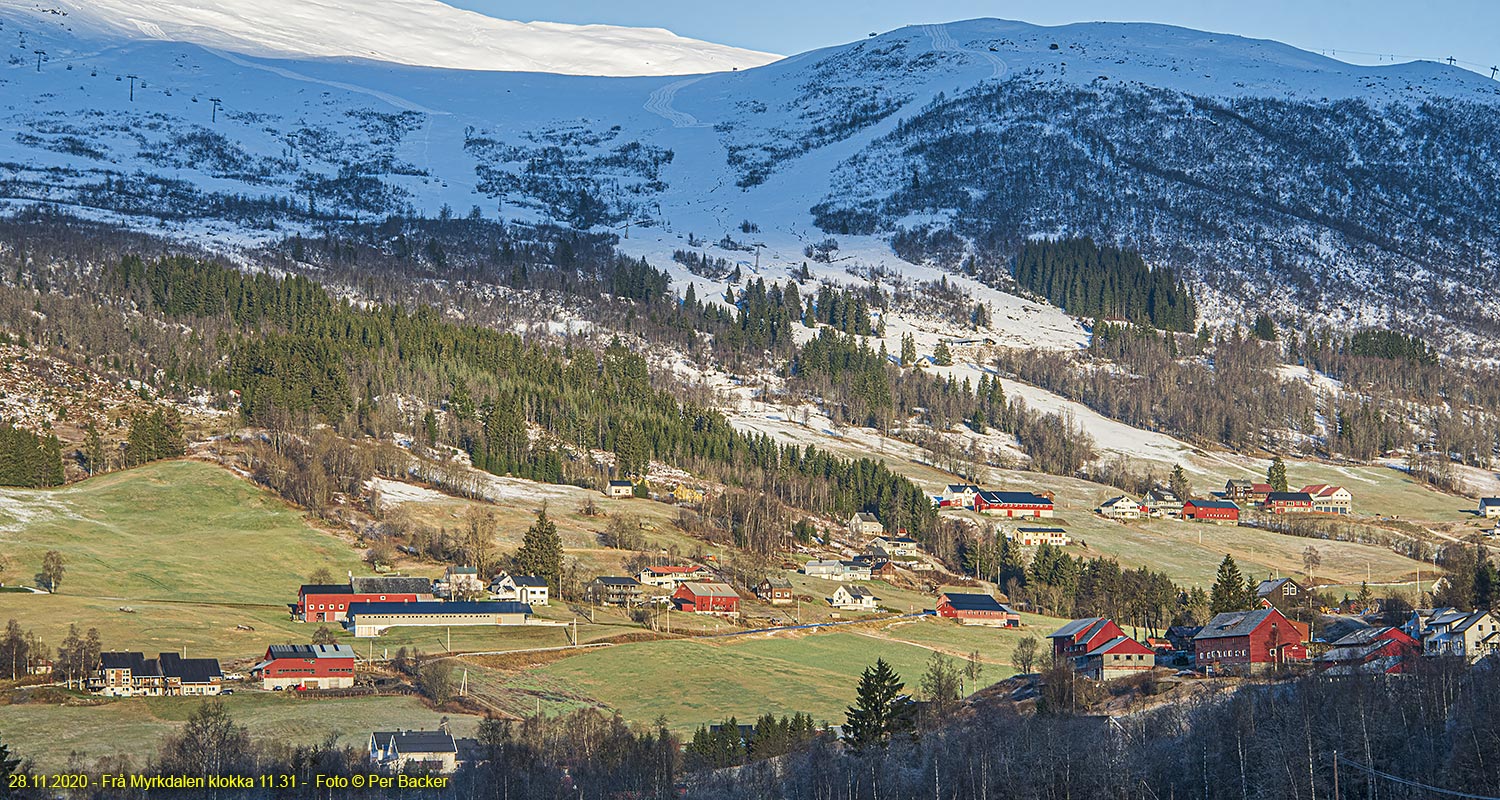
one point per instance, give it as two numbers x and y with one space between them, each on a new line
416 32
1273 177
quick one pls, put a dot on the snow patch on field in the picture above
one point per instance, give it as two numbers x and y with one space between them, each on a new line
394 493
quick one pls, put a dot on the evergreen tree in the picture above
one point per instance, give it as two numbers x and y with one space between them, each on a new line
1179 483
541 551
1276 475
942 356
880 710
908 350
1264 329
1230 593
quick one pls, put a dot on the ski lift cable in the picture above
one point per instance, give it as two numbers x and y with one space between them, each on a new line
1413 784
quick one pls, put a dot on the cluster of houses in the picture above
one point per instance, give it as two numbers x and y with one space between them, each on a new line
680 493
1163 503
368 606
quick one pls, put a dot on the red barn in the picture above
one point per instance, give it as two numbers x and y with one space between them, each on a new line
977 609
1081 636
1251 640
1289 502
1220 511
707 598
309 666
1013 504
1371 651
330 602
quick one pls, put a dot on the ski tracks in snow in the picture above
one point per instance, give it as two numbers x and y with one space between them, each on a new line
943 41
660 104
394 100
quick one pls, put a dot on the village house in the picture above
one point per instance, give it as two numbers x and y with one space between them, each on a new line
128 674
852 597
1283 593
1119 657
670 577
330 602
977 609
837 570
684 493
1471 635
1246 492
1162 503
863 524
459 581
1328 499
1371 651
895 547
619 489
1013 504
719 599
1288 503
1075 639
529 589
372 619
1489 507
775 590
1220 512
959 495
1120 508
309 666
1035 537
427 751
1251 640
614 590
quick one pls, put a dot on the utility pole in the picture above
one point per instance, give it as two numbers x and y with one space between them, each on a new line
1335 775
133 79
1451 59
39 54
216 102
1493 70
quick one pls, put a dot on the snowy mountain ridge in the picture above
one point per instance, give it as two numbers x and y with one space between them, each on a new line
412 32
1273 178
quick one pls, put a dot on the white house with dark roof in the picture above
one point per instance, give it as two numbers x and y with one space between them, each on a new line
1120 507
960 495
1489 507
395 751
863 523
853 597
528 589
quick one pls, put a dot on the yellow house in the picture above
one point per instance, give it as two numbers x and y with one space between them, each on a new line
687 494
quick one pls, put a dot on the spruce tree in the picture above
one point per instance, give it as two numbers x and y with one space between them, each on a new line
880 710
1276 475
1180 484
942 356
1230 592
541 551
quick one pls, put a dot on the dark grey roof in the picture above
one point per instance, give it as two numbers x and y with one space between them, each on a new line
325 588
384 584
530 581
189 670
1015 498
973 602
777 582
1235 623
617 580
1288 497
1219 504
1042 530
310 651
1072 629
439 607
135 662
417 742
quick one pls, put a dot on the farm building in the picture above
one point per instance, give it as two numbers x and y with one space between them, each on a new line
1246 492
959 495
615 590
1075 639
707 598
1119 657
852 597
775 590
330 602
167 675
1222 512
1120 507
620 489
1013 504
1035 537
371 619
1162 503
311 666
1288 502
1371 651
459 581
528 589
667 577
1328 499
1251 640
977 609
1283 593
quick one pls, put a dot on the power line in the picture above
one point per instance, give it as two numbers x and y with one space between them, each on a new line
1413 784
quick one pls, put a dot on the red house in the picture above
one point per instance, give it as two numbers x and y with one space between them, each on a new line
1013 504
1251 640
1289 502
707 598
330 602
1220 511
306 666
977 609
1371 651
1081 636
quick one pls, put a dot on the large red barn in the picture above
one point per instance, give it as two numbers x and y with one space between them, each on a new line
977 609
309 666
1220 511
707 598
1252 640
1013 504
330 602
1081 636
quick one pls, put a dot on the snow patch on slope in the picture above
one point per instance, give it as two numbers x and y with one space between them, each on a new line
416 32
